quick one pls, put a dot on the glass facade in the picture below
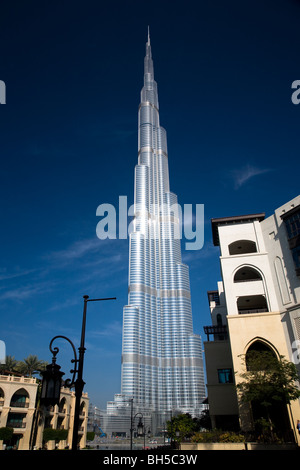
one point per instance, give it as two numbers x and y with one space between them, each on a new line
162 366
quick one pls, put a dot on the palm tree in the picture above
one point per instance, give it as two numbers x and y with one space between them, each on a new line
31 365
10 365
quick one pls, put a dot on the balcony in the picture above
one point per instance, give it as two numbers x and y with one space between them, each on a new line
219 332
22 379
19 404
16 425
252 304
253 310
16 420
240 247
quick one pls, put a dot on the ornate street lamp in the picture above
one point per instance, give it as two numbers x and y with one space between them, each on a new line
51 384
140 427
52 377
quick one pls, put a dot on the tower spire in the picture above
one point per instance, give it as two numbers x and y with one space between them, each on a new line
148 62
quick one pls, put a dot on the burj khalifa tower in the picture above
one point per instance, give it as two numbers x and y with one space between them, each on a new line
162 365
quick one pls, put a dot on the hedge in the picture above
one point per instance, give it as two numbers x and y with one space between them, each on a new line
217 436
55 434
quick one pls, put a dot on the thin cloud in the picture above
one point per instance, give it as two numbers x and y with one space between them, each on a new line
77 250
93 258
25 292
81 262
111 330
5 275
242 175
82 248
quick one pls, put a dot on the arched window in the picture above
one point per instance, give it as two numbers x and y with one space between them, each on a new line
258 348
242 246
247 273
20 399
61 407
82 409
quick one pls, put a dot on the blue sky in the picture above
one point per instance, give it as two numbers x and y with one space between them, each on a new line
73 73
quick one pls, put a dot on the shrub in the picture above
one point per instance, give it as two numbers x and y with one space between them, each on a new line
217 436
6 434
231 437
90 436
55 434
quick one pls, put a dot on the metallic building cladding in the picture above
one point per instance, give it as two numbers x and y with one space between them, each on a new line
162 367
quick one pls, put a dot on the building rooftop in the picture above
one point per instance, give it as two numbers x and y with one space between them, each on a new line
239 219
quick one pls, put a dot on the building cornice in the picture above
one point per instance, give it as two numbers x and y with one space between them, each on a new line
240 219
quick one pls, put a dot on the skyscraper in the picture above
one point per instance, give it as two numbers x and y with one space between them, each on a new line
162 367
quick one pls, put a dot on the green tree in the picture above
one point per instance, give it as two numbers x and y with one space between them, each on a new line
204 421
268 379
268 383
182 427
31 365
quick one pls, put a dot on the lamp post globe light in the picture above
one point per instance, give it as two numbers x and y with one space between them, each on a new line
52 376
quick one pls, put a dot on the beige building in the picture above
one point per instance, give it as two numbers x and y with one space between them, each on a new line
17 408
62 417
18 397
256 306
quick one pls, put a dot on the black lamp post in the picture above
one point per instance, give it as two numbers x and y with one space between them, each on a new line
52 377
148 435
